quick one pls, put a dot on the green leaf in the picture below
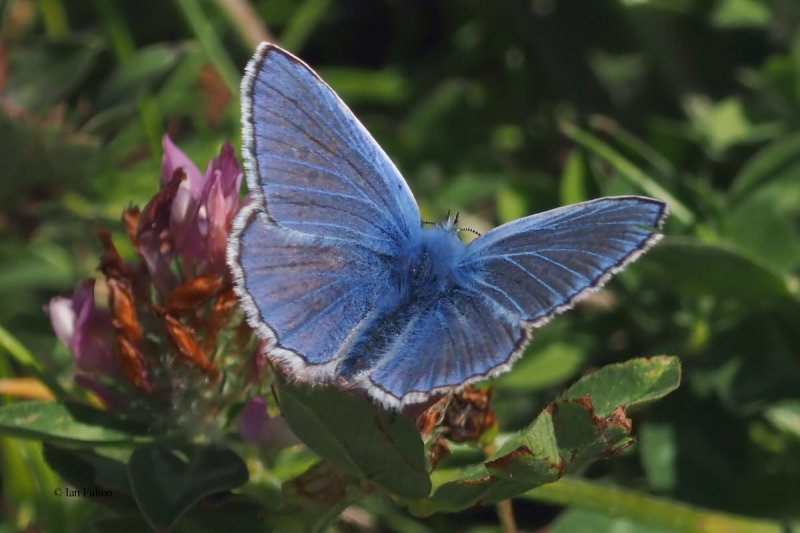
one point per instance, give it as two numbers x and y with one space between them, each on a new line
785 416
511 204
580 520
167 483
45 73
690 266
724 124
645 509
28 483
37 154
360 439
66 424
631 384
468 188
37 265
633 144
543 367
764 206
658 452
573 179
302 23
778 162
359 85
135 75
627 170
91 470
567 436
741 14
765 225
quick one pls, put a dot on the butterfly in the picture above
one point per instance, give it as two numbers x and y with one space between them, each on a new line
345 285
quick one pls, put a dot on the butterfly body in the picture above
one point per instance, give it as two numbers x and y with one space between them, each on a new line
345 284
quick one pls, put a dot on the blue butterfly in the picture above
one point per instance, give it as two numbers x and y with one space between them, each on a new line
338 275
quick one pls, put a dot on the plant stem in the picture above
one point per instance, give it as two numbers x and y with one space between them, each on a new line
505 512
124 47
626 169
246 22
211 45
54 17
650 510
504 509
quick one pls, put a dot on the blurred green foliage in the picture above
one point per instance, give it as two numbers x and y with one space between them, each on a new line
494 109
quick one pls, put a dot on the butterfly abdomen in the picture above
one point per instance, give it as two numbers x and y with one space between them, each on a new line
424 274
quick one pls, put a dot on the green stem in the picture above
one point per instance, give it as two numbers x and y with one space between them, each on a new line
246 21
25 358
124 47
207 37
54 17
303 22
118 34
626 169
633 143
650 510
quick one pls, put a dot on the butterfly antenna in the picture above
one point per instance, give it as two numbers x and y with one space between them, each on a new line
470 230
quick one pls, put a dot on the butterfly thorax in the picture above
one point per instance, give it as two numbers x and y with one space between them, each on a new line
428 265
422 276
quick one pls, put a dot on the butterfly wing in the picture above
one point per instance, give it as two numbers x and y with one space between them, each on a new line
514 279
327 210
316 168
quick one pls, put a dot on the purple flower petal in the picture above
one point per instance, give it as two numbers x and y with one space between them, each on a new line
84 329
173 159
257 427
62 318
218 228
254 422
203 208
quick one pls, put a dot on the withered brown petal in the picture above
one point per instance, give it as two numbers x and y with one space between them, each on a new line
220 314
132 363
111 263
469 414
123 310
156 213
130 219
190 294
432 416
185 342
439 450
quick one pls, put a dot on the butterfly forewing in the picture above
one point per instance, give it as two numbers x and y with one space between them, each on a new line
315 165
537 265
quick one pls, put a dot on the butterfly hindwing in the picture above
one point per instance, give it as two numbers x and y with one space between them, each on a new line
305 294
463 337
513 280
